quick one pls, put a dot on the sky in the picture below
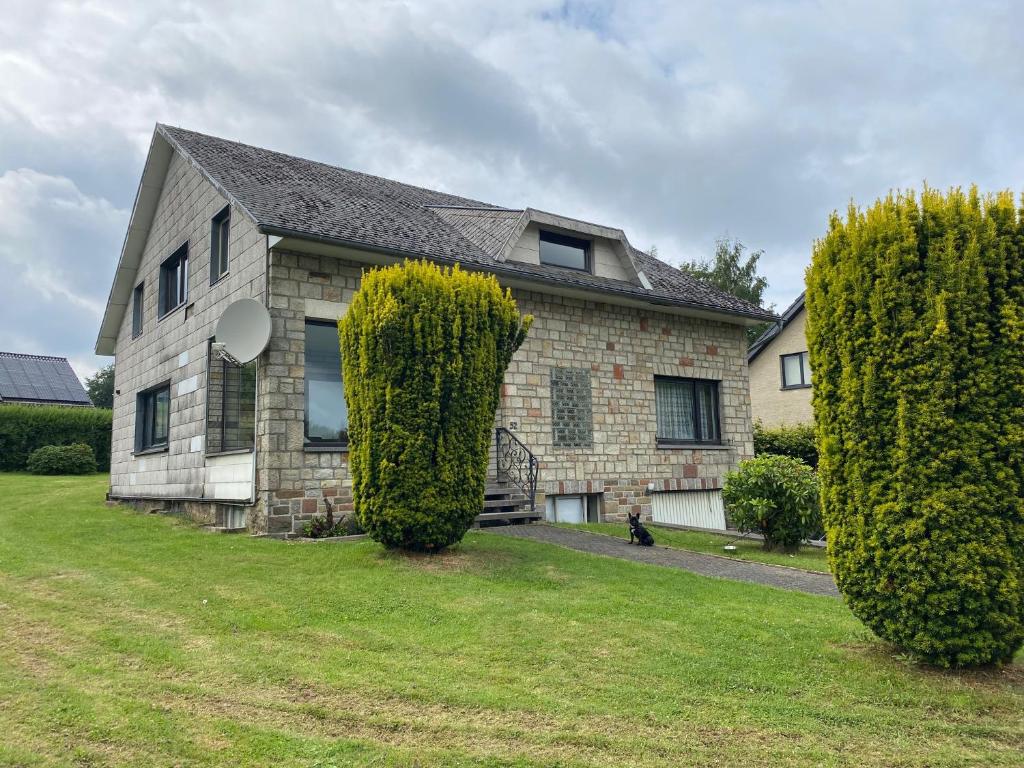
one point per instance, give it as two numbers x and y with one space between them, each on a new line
679 122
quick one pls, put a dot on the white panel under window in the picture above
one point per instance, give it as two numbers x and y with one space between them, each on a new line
573 509
695 509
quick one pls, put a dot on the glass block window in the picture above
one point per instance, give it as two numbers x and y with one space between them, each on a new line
572 416
230 405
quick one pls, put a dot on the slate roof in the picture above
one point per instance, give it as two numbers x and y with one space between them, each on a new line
39 379
762 341
291 196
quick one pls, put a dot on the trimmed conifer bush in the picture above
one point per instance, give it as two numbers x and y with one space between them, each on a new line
77 459
424 353
916 335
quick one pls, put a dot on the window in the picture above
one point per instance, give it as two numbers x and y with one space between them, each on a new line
174 280
796 371
152 418
137 297
220 230
572 419
687 410
230 405
564 251
326 410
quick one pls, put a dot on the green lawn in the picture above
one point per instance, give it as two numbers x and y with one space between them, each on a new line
130 639
808 558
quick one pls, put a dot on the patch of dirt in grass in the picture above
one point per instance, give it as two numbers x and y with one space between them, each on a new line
451 560
989 677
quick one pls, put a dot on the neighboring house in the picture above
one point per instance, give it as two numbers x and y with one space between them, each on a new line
631 389
780 371
39 380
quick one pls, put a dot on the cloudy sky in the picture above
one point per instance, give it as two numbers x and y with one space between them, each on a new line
680 122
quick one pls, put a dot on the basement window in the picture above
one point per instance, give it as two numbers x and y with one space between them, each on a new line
564 251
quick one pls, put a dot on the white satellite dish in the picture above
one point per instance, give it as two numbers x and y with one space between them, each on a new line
244 330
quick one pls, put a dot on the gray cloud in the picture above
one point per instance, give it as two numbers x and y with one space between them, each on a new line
679 122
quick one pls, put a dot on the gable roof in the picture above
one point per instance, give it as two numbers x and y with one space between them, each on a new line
39 379
287 196
778 327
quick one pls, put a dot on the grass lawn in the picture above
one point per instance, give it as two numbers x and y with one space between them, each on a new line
808 558
130 639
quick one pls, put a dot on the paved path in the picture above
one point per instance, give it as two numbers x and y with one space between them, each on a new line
706 565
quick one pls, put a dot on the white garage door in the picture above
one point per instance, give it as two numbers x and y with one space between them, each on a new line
699 509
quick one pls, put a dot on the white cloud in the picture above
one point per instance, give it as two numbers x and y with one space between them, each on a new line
677 121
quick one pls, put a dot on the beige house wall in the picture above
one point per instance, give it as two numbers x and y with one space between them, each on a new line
772 405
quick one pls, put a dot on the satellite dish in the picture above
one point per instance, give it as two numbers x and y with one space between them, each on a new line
244 330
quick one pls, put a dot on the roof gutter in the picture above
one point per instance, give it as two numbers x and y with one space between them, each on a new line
498 269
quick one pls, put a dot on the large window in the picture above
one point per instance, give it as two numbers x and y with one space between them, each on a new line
796 371
220 231
687 410
326 410
152 418
230 405
137 297
564 251
174 280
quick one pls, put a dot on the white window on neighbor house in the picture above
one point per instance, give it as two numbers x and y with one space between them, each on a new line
796 370
573 508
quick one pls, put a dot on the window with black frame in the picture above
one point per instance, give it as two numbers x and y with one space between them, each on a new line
137 310
174 280
796 370
153 418
230 405
326 410
559 250
220 233
686 410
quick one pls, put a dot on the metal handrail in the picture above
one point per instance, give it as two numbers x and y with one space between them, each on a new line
517 464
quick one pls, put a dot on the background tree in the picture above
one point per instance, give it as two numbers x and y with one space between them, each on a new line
424 353
731 271
916 334
100 387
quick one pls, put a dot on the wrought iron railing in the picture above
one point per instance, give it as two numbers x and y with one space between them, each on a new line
517 465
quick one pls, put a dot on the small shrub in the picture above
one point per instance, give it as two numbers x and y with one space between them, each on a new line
424 351
797 441
775 496
325 526
77 459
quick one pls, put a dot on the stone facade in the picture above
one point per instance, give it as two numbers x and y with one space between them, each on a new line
619 349
770 404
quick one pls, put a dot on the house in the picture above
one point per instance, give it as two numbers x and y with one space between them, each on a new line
39 380
780 371
630 393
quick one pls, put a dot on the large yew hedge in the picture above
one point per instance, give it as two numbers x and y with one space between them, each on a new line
424 352
24 428
916 335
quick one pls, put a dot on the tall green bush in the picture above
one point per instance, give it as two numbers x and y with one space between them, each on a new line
424 352
23 428
797 441
916 335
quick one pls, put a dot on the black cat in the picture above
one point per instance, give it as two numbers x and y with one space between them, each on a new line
637 531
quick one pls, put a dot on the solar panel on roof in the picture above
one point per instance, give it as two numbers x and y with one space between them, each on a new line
40 379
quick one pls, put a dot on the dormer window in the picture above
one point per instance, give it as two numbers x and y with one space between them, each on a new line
564 251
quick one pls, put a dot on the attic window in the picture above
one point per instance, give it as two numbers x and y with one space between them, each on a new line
564 251
174 281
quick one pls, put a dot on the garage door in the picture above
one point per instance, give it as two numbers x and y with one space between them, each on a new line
698 509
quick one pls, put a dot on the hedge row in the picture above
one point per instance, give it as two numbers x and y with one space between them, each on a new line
796 441
24 428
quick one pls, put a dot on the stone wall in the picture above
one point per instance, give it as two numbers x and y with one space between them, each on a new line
621 350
